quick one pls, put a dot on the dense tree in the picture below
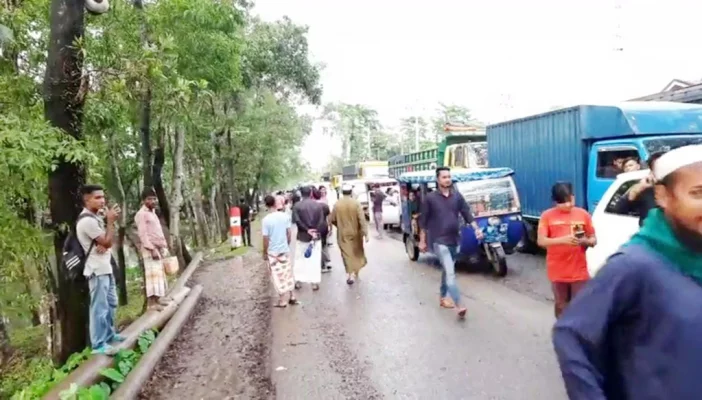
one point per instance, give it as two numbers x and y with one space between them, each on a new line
193 97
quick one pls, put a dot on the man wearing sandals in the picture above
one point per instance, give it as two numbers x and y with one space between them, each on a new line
308 215
439 217
154 248
276 228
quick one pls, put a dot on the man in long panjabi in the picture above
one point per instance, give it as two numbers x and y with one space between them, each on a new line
351 233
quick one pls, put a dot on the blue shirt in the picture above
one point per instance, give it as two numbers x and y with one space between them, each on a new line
275 226
634 332
439 217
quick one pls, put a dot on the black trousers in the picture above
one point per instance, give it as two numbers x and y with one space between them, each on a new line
246 233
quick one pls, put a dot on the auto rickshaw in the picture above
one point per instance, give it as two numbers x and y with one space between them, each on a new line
494 202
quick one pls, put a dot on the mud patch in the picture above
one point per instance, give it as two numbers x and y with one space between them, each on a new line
223 352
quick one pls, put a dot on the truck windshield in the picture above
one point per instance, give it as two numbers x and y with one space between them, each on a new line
490 197
467 155
670 143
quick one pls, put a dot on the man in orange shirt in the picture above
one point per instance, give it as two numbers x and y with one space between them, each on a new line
565 231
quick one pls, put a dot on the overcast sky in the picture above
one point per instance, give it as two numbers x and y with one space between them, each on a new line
501 58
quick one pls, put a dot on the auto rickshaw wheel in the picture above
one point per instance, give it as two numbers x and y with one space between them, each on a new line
499 261
411 248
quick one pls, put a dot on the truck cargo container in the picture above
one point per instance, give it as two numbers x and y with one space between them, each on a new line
580 145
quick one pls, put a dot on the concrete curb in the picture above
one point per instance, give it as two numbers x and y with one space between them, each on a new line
89 372
132 385
185 276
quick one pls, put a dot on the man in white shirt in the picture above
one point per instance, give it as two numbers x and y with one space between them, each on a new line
95 236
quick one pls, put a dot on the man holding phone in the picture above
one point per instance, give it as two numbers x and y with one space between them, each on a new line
565 231
96 236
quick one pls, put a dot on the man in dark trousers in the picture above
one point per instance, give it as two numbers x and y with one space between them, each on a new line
246 219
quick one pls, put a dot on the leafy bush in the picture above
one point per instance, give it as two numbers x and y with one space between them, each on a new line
125 360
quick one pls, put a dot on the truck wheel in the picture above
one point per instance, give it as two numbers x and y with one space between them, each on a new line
528 244
411 248
499 261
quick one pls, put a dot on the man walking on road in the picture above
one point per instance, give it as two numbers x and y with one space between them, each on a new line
439 219
324 231
96 236
565 231
154 248
378 197
276 228
351 232
634 331
308 215
245 211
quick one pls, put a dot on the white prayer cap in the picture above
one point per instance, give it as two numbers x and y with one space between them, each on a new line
676 159
346 188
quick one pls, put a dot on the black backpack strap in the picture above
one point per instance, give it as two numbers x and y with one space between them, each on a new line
92 243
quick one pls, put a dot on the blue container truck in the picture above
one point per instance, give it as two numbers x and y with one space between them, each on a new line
581 144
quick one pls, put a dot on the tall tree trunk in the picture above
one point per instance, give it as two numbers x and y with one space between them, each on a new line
196 201
221 206
231 193
177 194
157 175
145 130
121 273
33 283
63 107
5 349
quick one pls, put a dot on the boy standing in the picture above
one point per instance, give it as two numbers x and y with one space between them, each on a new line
565 231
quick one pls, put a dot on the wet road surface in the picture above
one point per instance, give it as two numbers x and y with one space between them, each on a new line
527 274
386 337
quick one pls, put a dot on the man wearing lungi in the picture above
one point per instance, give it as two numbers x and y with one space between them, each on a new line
309 217
154 248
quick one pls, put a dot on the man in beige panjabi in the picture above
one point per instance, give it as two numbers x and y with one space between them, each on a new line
351 233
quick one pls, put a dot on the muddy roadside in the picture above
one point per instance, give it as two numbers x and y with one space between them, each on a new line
223 352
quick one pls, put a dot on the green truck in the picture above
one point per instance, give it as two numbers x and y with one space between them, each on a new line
454 151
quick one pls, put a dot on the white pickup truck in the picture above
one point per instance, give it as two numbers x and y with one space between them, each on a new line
613 229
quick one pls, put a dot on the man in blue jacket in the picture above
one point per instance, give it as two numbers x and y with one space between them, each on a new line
635 331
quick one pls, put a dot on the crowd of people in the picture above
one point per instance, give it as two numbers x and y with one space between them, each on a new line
314 221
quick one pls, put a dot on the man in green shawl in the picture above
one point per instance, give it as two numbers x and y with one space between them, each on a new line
635 330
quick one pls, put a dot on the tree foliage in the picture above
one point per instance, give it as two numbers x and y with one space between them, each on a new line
219 83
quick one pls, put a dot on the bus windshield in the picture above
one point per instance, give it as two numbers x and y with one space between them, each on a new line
490 197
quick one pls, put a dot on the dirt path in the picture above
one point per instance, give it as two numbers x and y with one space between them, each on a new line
223 352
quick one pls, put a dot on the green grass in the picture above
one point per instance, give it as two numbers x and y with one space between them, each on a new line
224 250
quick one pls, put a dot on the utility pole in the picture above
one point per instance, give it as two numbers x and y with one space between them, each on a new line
416 133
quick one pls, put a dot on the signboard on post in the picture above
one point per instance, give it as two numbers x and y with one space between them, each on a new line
235 227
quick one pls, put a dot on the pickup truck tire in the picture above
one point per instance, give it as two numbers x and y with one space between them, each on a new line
411 248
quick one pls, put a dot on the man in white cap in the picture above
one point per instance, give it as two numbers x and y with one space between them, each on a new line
634 331
351 232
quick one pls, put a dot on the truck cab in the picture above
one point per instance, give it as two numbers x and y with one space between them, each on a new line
605 154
